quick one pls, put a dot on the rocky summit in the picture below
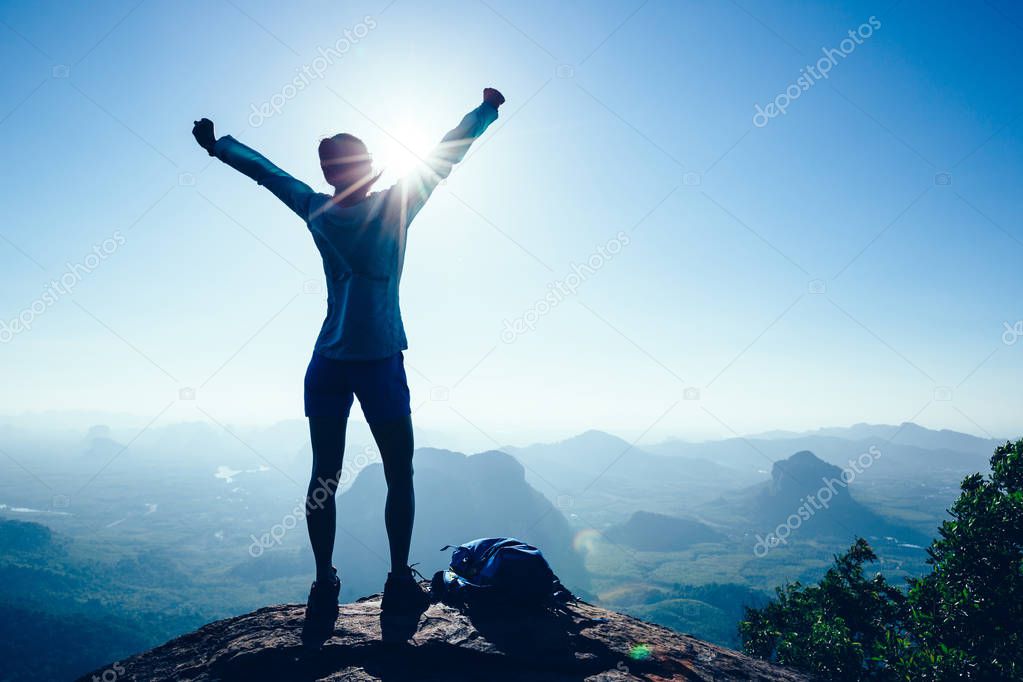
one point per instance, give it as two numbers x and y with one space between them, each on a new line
592 644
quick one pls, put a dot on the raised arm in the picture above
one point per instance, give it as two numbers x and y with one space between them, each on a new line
294 193
418 185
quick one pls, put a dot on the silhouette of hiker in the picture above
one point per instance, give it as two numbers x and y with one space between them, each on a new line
361 237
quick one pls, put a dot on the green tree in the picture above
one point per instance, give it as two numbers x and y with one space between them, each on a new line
967 614
962 621
837 629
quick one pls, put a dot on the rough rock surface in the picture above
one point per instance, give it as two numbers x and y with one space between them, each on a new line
447 645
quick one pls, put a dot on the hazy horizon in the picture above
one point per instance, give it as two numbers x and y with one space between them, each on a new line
130 425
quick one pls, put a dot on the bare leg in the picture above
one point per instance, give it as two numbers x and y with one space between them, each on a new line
394 438
328 441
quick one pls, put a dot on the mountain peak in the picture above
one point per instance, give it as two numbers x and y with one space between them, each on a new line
801 470
449 645
596 437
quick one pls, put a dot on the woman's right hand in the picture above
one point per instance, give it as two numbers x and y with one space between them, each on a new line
202 131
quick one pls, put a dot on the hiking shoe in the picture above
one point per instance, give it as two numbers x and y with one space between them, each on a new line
321 612
403 594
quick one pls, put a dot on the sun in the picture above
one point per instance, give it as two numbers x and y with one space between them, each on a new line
401 154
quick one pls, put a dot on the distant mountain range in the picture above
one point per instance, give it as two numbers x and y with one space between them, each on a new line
584 458
906 449
906 433
812 499
595 479
599 470
603 479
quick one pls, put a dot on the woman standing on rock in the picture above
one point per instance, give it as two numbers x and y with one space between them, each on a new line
361 237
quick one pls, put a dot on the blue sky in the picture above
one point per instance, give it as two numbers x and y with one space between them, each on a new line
854 259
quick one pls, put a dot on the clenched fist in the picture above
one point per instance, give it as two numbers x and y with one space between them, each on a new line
202 131
493 97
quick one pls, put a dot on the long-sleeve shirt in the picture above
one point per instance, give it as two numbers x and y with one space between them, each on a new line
362 245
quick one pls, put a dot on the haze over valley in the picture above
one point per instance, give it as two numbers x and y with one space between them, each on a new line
136 537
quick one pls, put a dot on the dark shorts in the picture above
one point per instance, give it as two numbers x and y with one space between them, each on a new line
380 385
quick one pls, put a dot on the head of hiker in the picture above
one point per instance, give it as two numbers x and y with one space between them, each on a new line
347 164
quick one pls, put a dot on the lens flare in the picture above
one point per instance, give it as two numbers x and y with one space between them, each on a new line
585 541
640 652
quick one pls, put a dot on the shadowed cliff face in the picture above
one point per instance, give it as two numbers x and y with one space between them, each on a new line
803 483
458 498
594 645
815 499
801 474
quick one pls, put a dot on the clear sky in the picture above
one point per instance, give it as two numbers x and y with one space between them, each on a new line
855 258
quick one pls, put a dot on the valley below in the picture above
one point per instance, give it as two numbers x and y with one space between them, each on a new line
135 542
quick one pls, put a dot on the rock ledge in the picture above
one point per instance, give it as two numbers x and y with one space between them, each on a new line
448 645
